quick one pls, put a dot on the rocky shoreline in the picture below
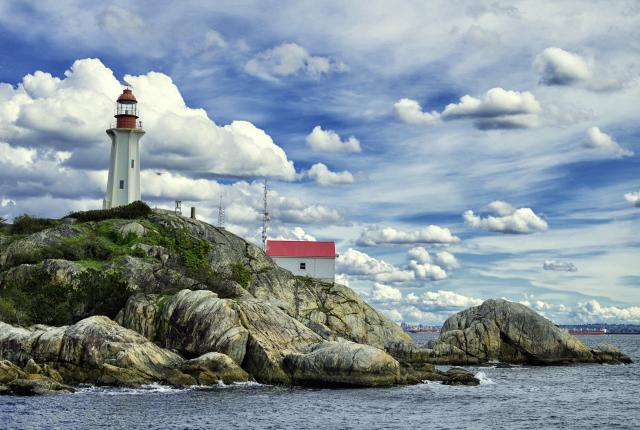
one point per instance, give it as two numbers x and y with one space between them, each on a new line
171 300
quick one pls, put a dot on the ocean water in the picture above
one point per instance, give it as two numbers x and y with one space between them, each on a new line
523 397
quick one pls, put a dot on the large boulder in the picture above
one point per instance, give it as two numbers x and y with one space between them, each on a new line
342 364
512 333
197 322
212 368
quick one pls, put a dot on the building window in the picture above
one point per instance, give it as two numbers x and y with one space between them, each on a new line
132 163
122 185
303 266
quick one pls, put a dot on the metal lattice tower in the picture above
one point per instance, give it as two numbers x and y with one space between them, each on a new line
221 214
265 218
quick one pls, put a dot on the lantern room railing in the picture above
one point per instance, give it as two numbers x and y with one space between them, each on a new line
115 124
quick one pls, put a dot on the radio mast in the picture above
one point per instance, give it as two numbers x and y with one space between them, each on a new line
220 214
265 218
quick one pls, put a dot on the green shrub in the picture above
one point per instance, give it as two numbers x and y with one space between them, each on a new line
137 209
241 274
25 224
45 301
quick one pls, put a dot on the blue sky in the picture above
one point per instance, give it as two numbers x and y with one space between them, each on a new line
454 152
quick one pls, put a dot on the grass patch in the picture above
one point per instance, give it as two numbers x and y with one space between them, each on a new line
241 275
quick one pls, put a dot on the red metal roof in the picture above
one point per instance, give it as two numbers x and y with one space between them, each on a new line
300 248
127 96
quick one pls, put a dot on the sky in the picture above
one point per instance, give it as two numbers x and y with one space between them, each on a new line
455 151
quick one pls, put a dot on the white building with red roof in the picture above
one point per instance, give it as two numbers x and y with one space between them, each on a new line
305 258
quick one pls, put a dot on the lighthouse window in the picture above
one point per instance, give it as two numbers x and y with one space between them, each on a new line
132 163
303 266
122 185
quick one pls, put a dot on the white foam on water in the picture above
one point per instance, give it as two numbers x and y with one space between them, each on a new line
483 378
154 388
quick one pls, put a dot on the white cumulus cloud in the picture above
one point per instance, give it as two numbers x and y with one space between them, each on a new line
410 112
320 140
597 139
427 271
376 235
519 221
496 109
290 59
555 66
386 293
324 177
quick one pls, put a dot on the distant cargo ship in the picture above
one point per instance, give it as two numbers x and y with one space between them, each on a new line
587 331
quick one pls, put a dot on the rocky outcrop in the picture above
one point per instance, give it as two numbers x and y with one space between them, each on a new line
509 332
342 364
94 350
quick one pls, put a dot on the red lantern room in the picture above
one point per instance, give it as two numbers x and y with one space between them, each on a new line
127 110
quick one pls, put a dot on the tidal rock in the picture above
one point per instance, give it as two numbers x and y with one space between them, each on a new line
38 386
458 376
342 364
610 354
213 367
512 333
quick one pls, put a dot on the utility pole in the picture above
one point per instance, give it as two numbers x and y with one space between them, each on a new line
220 214
265 218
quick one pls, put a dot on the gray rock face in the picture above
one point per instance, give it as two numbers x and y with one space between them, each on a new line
132 228
197 322
342 364
253 334
512 333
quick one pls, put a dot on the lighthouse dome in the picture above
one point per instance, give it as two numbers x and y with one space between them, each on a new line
127 97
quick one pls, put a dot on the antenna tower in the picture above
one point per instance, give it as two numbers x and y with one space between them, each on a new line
220 214
265 218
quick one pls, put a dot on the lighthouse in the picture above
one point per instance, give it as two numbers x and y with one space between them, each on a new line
123 185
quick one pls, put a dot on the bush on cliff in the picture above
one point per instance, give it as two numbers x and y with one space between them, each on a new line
137 209
25 224
46 301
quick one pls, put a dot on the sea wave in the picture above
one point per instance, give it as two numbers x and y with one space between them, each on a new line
483 378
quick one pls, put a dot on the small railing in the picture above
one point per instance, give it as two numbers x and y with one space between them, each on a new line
115 124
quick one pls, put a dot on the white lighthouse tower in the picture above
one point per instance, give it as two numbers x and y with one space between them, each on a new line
123 185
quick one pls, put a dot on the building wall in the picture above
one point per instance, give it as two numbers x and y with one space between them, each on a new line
318 268
125 148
